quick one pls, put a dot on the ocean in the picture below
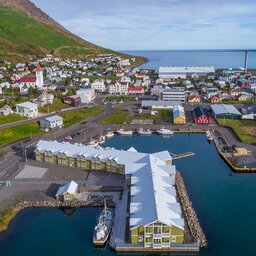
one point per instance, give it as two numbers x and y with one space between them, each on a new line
225 205
216 58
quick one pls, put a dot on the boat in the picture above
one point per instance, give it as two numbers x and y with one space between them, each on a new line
164 131
103 228
110 134
93 143
124 132
209 136
141 131
101 140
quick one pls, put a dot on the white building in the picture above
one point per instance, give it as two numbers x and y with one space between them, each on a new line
118 88
52 122
174 95
27 109
167 73
86 95
39 77
99 85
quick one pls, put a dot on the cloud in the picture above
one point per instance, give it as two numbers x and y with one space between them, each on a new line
158 24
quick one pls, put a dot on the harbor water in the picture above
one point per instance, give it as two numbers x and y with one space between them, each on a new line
216 58
224 202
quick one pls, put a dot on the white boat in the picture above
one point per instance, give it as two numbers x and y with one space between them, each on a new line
110 134
124 132
103 228
141 131
165 131
209 136
102 139
93 143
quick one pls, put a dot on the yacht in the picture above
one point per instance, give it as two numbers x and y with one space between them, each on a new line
110 134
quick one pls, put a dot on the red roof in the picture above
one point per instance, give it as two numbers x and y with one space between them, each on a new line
136 88
27 80
38 68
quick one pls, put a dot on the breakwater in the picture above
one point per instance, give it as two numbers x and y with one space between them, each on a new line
9 214
190 214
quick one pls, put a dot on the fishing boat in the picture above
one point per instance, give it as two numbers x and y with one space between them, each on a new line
209 136
103 228
110 134
141 131
165 131
93 143
124 132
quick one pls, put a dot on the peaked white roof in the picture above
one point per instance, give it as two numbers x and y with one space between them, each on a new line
153 195
68 188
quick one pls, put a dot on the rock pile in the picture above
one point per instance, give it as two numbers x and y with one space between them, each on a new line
190 214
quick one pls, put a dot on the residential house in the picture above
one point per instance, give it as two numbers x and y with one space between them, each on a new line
44 99
194 99
136 90
73 100
86 95
118 88
27 109
51 123
215 99
5 110
68 192
99 85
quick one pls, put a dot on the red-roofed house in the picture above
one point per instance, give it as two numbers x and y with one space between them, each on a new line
28 81
136 90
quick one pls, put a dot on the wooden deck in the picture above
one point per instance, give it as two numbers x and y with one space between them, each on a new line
183 155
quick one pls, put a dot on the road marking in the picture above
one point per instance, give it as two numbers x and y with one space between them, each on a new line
2 173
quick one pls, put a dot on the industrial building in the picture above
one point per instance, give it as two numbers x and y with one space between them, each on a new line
201 116
179 115
158 104
174 95
169 73
225 111
155 213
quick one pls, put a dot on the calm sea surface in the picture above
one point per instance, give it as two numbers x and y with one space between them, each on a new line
225 205
216 58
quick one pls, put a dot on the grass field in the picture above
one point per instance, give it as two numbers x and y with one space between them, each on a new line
19 132
245 129
57 104
119 117
11 119
77 116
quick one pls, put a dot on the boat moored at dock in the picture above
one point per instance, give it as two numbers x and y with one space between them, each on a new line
103 227
109 135
142 131
124 132
165 131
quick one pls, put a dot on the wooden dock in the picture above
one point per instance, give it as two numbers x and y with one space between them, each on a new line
183 155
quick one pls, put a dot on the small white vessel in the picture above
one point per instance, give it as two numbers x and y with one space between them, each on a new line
102 139
93 143
124 132
141 131
209 136
110 134
165 131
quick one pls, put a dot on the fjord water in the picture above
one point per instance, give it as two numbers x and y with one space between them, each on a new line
225 205
216 58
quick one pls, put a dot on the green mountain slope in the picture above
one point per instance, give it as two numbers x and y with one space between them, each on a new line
25 31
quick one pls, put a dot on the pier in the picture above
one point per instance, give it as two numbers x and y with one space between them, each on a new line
183 155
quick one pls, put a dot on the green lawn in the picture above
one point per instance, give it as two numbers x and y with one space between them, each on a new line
11 119
57 104
245 129
118 98
119 117
19 132
77 116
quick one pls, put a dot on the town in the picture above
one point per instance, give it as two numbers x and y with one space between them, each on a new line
55 114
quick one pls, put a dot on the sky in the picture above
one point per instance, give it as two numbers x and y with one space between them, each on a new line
158 24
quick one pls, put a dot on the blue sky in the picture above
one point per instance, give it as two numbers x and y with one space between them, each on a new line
158 24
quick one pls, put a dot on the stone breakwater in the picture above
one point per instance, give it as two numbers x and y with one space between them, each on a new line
12 212
190 214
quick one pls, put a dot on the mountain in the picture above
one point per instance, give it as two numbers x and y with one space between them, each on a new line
26 31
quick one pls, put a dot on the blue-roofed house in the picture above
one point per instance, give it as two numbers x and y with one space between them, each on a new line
51 123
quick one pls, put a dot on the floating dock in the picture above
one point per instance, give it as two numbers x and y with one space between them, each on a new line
183 155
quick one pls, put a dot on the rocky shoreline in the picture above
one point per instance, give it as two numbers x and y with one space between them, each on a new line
9 214
190 214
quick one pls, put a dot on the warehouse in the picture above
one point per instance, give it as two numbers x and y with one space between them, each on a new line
225 111
168 73
158 104
200 116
